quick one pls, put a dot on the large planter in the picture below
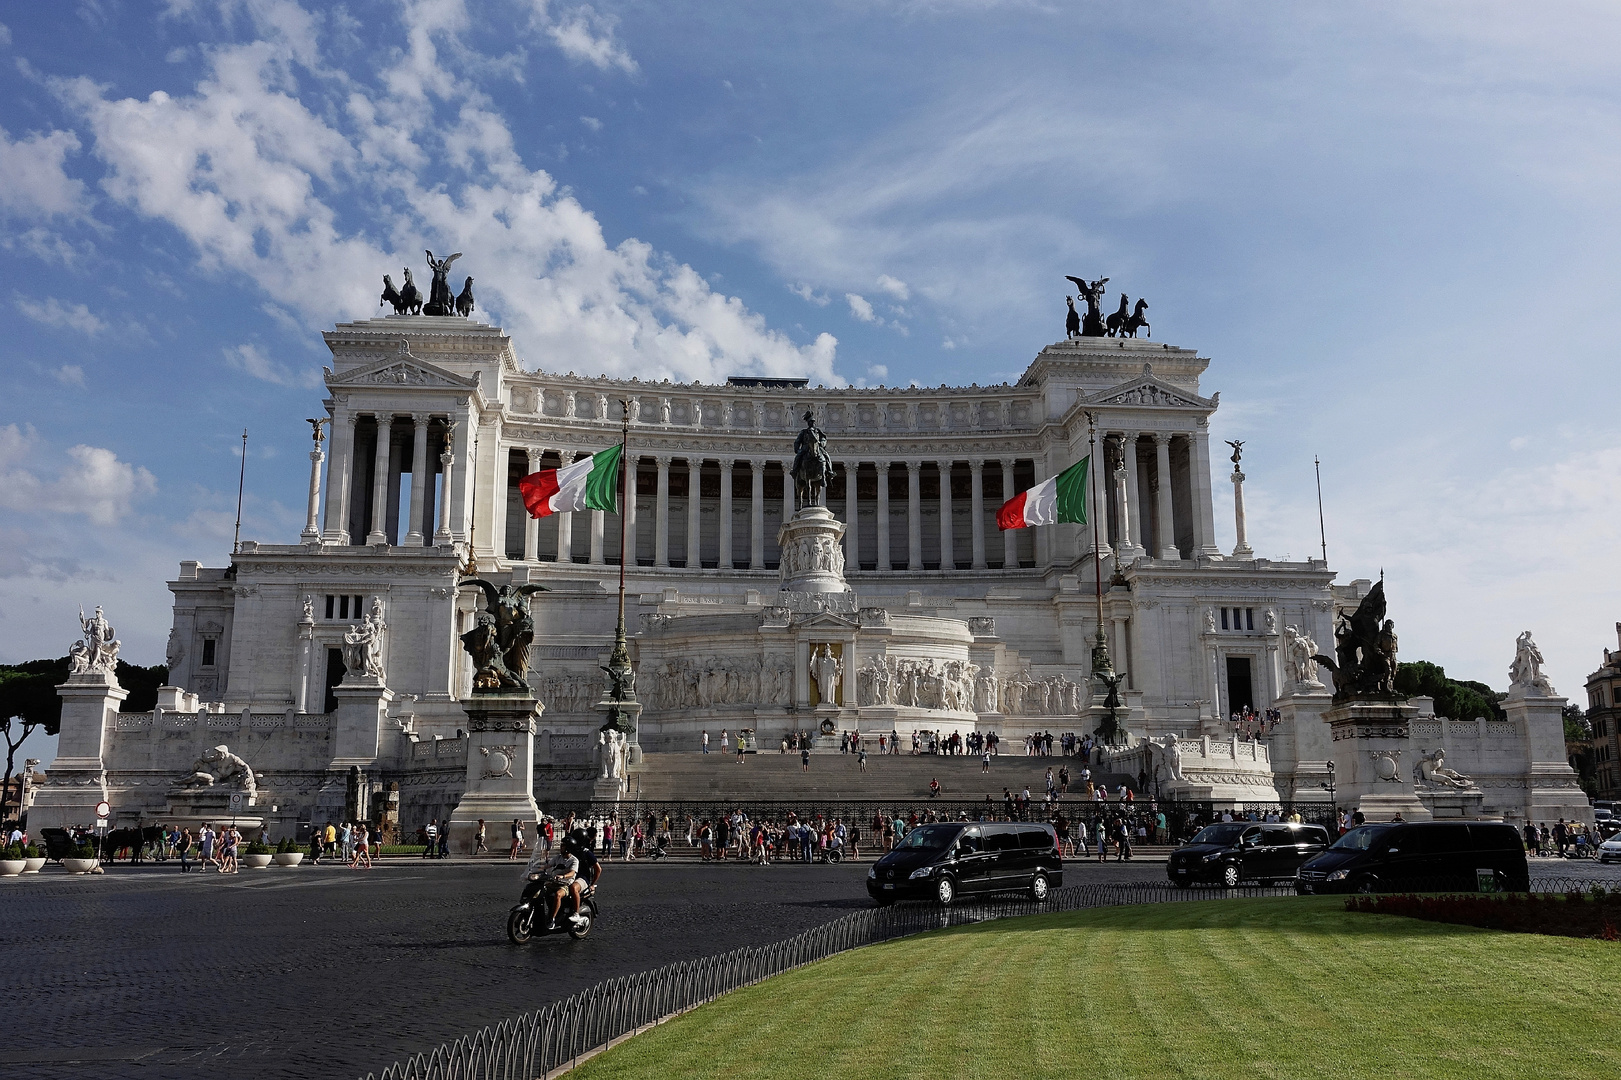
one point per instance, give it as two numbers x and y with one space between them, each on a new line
256 862
79 866
34 865
289 858
12 867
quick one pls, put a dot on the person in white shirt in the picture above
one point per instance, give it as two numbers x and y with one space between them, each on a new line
559 871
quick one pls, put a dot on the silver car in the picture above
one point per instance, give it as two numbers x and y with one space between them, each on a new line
1610 849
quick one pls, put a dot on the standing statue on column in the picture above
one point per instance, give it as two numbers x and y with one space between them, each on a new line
826 670
99 650
1300 653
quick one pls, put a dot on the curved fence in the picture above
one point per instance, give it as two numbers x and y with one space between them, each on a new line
556 1037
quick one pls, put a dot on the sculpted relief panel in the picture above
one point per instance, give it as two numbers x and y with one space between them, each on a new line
721 680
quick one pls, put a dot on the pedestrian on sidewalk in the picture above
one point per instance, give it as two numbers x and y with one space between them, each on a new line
723 740
706 742
861 758
517 839
183 845
804 760
432 833
479 846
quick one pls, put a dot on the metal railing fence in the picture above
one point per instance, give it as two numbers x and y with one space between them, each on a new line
556 1037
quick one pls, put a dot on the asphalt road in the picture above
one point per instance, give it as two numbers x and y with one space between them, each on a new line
328 972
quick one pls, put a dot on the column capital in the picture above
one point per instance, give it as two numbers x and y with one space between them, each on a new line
662 461
976 465
421 419
913 467
726 465
945 464
756 464
351 418
1162 438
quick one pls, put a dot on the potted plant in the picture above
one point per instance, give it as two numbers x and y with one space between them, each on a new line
257 856
82 861
12 861
287 853
35 859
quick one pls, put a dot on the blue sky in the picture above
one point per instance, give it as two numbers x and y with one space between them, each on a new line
1392 228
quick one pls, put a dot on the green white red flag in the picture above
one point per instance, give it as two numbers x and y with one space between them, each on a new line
588 484
1062 498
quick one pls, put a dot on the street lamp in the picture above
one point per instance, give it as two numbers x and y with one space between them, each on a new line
1328 786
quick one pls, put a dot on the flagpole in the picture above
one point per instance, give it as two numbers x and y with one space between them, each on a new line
1100 656
624 476
621 677
241 479
1322 532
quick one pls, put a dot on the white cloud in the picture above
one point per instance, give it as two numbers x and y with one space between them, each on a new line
251 175
584 35
251 360
5 34
92 482
591 122
805 292
52 312
860 307
33 181
70 375
894 287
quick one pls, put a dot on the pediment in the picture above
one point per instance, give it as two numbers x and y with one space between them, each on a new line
403 369
1149 391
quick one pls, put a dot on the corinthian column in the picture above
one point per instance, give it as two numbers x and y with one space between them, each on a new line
948 556
914 515
661 513
421 476
1242 550
881 519
1165 530
1010 537
531 524
695 467
756 513
311 534
726 513
852 546
976 507
447 458
379 482
338 476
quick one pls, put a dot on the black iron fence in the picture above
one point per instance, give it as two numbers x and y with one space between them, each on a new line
557 1037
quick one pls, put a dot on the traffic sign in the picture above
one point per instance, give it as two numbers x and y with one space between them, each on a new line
236 802
102 809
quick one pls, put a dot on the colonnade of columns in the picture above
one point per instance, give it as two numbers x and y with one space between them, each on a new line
1173 514
415 444
932 524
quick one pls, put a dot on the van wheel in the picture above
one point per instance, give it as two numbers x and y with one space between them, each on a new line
1229 875
945 891
1038 888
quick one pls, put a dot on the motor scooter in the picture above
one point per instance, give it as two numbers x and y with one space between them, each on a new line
528 917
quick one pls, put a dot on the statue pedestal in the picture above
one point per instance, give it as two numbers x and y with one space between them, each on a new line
1551 788
1374 758
1453 803
500 767
812 545
359 727
77 780
630 713
1301 748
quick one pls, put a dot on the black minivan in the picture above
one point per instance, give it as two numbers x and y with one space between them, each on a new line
1234 851
961 858
1430 856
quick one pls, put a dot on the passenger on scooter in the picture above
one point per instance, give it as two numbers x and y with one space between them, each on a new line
580 843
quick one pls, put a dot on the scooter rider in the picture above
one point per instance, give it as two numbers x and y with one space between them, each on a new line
561 872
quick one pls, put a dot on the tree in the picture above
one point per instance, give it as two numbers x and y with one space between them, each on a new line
1454 700
29 703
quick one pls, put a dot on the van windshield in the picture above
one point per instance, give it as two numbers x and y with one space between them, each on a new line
1360 838
930 837
1225 834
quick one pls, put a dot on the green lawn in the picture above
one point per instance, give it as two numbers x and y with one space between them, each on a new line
1285 988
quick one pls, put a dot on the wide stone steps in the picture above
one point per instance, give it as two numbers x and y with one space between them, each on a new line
775 776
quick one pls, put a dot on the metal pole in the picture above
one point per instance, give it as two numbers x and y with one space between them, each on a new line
241 478
624 475
1322 533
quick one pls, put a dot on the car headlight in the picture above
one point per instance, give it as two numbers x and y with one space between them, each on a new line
1212 857
922 872
872 871
1338 875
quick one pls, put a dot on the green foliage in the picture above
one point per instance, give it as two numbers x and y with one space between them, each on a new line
1577 727
32 852
1454 699
28 690
84 851
13 853
142 684
286 846
256 848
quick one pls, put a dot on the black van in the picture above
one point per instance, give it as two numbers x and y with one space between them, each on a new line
1235 851
962 858
1430 856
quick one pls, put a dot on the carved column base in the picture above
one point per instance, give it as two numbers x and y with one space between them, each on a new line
500 770
1374 759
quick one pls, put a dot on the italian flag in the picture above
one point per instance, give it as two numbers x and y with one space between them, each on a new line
1063 498
589 484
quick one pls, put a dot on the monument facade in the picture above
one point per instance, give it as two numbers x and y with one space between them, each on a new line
795 556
